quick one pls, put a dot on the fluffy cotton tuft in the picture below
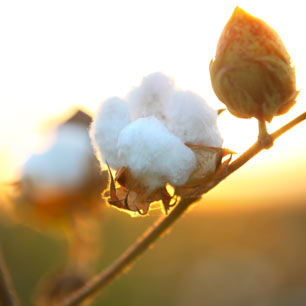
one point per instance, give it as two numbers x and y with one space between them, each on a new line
65 164
111 118
151 97
191 119
147 134
154 155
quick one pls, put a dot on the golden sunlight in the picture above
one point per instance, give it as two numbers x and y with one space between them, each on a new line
96 50
243 243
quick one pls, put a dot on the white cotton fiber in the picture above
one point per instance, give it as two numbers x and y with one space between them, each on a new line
191 119
151 97
154 155
65 164
111 118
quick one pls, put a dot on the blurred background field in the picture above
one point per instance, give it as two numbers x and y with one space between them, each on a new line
244 245
211 257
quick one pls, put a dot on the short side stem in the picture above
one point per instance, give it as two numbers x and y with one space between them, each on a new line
264 138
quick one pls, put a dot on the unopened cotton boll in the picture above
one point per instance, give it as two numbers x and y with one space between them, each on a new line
111 118
151 97
154 155
64 165
191 119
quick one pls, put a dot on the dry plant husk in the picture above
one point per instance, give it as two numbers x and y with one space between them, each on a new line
132 195
55 286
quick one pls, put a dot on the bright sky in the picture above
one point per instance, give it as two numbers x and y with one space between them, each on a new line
59 54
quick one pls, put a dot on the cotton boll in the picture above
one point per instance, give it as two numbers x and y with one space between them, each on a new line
151 98
154 155
65 165
112 117
191 119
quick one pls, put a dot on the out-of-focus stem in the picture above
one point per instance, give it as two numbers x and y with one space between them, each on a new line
163 224
7 292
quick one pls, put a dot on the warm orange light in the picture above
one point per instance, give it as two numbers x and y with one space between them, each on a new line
44 77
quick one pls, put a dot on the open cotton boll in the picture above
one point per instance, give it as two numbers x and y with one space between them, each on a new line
191 119
151 97
154 155
65 165
111 118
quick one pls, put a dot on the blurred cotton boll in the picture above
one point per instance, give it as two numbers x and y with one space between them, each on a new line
190 118
60 191
65 165
62 181
154 155
111 118
151 97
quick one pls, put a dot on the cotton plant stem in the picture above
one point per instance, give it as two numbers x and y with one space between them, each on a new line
164 223
257 147
7 293
126 259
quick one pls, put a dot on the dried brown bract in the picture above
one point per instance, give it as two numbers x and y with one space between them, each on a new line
132 195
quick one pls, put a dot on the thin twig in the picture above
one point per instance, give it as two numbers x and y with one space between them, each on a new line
256 148
164 223
7 292
131 254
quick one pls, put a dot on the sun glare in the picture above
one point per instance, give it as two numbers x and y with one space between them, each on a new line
101 49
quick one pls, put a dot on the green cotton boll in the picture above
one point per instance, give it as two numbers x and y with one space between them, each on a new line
252 73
